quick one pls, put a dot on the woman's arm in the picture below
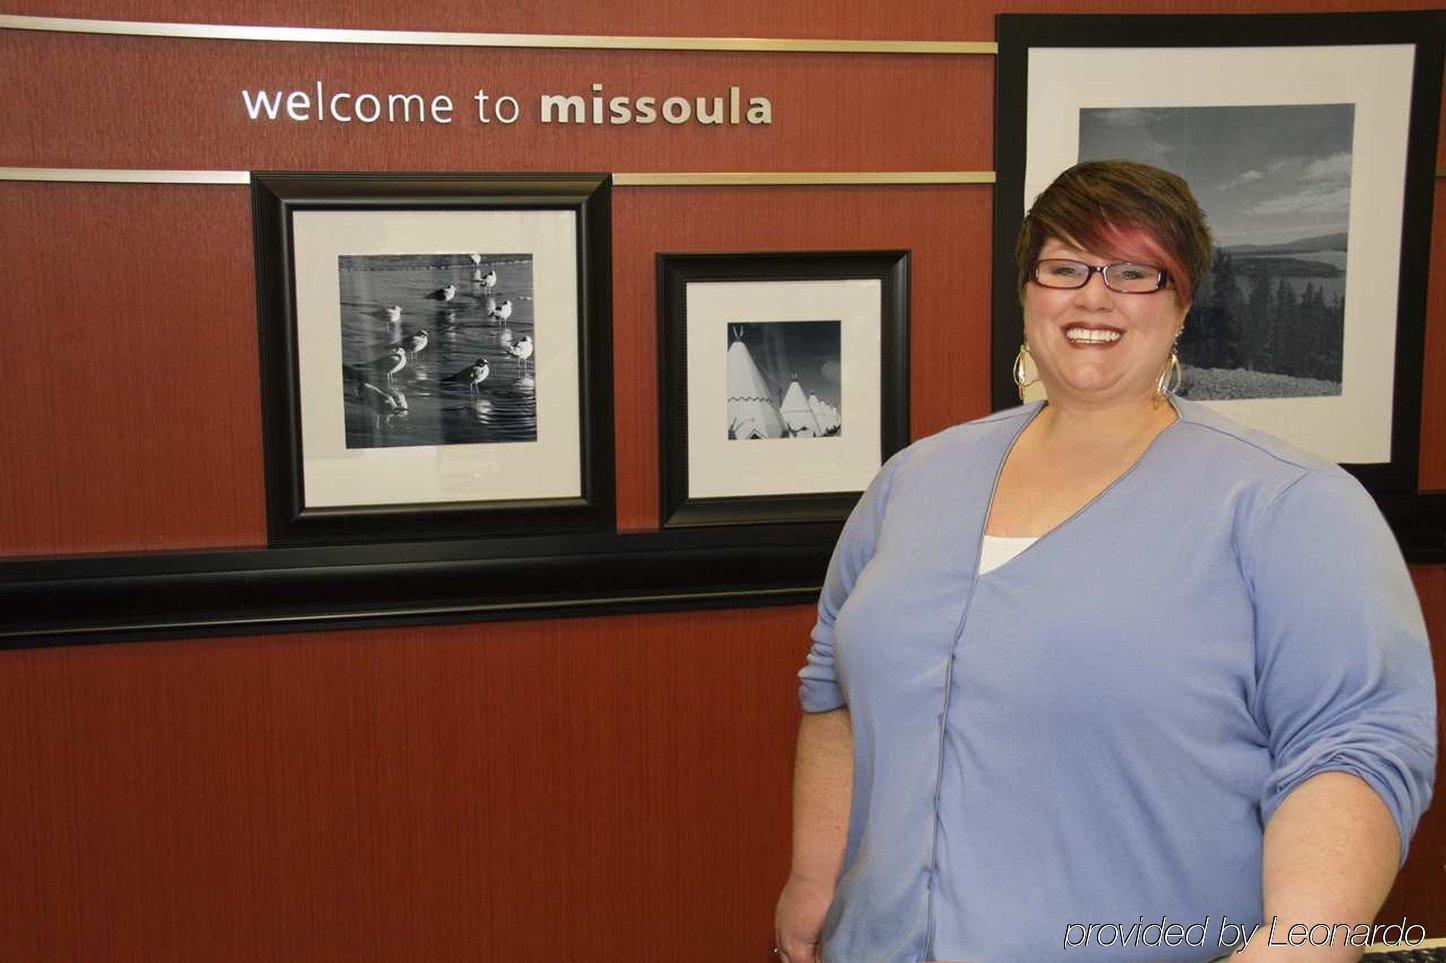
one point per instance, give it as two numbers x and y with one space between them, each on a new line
1345 697
824 762
822 783
1331 852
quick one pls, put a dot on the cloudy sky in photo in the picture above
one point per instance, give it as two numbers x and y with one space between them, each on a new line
1264 174
783 350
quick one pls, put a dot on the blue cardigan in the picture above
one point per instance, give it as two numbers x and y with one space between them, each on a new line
1097 731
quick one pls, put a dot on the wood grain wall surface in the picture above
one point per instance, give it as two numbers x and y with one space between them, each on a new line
612 788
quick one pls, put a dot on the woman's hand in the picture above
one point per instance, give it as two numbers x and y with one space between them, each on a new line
798 920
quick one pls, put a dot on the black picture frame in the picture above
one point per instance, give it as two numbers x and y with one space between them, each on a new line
277 200
676 271
1019 34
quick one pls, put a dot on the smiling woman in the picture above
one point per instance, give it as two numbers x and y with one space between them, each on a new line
1073 661
1101 341
1098 341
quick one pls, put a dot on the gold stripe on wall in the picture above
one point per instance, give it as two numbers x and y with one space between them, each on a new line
98 175
83 175
658 179
427 38
785 178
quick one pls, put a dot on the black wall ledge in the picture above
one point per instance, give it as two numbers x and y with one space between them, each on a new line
90 600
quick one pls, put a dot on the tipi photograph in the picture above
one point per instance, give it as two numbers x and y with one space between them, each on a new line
783 380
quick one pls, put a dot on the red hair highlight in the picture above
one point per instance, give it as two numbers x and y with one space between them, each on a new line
1120 209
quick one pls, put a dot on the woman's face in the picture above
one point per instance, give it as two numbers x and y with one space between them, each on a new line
1098 373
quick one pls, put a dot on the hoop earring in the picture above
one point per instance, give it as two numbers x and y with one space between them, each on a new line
1020 380
1172 377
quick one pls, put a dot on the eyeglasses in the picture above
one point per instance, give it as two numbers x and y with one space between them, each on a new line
1124 277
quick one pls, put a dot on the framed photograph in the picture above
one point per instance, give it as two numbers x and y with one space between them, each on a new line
1310 142
435 354
784 382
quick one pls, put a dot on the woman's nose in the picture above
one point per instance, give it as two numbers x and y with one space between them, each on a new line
1093 294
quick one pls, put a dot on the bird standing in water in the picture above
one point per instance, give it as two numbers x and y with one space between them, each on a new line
444 294
390 363
473 375
413 342
522 350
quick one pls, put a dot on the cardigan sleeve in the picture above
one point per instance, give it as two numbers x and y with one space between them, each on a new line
1342 662
819 689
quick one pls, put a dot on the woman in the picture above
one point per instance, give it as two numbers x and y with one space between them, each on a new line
1107 661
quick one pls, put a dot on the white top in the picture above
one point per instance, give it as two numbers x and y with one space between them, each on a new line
999 549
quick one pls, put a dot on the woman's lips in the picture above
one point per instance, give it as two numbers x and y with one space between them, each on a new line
1092 335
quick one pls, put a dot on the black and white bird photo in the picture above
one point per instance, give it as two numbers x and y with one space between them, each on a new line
426 358
1268 320
784 380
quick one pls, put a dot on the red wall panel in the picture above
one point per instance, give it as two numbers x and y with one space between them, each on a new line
182 108
604 789
1433 393
613 788
132 388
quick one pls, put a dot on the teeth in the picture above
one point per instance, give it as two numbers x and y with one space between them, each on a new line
1091 334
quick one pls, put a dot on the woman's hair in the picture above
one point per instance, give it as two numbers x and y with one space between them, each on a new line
1118 208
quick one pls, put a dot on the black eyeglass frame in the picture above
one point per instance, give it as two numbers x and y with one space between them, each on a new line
1090 270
